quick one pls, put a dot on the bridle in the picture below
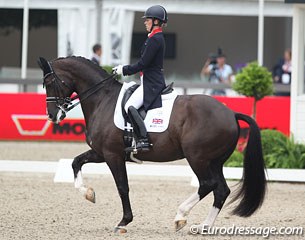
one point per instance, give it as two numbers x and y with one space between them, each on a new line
65 104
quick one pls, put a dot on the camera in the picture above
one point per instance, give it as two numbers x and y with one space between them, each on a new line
213 58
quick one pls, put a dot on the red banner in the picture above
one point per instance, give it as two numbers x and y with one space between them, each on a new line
23 117
271 112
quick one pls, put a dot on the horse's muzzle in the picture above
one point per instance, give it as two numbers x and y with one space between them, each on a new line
57 118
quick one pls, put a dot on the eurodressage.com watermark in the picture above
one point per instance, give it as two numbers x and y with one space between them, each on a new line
265 232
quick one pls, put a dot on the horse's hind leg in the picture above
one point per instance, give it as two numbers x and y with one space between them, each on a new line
184 209
206 185
221 192
78 162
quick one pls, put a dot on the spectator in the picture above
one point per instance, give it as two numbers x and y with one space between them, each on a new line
217 71
282 70
97 53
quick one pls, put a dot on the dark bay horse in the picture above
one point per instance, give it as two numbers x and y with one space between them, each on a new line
201 129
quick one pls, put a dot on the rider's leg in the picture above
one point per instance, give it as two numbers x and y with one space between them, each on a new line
135 102
136 99
139 129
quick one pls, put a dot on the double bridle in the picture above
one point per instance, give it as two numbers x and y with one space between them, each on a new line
66 103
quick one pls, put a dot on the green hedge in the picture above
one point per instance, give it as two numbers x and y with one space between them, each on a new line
236 160
108 69
279 152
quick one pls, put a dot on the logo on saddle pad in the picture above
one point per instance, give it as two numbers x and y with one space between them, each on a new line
156 120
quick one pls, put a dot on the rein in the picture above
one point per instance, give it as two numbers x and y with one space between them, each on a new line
62 102
95 88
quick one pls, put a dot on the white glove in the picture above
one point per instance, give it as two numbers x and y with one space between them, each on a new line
118 69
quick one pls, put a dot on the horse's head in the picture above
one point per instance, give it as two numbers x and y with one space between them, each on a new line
58 89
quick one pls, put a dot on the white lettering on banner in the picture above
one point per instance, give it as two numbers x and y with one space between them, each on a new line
24 132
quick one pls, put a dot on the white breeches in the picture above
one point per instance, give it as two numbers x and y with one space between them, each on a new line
136 99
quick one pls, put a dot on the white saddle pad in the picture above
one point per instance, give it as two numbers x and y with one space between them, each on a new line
156 120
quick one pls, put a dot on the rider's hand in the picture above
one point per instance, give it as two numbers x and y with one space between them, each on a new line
118 69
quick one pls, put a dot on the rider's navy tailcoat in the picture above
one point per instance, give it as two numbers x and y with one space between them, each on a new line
151 65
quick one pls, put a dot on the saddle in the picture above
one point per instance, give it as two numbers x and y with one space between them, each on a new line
168 89
128 135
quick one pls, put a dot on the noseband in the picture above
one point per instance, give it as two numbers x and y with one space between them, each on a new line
60 101
64 103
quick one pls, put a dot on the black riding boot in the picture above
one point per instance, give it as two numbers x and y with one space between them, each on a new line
139 130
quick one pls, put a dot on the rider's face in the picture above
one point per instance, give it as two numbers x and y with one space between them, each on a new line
148 24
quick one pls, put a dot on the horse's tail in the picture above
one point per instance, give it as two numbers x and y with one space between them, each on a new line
253 186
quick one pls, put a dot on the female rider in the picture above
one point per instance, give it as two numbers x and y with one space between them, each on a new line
150 67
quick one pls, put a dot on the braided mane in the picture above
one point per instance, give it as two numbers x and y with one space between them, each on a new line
85 61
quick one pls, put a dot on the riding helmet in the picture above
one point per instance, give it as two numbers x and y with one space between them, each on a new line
157 12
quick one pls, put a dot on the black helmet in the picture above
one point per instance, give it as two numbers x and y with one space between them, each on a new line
157 12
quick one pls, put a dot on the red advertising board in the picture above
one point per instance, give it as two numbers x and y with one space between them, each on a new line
23 117
271 112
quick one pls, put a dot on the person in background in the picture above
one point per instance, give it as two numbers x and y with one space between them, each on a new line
97 53
217 71
282 70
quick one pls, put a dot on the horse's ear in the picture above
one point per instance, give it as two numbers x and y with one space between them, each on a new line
44 65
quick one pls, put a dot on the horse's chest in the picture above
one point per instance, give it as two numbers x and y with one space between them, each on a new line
89 139
95 137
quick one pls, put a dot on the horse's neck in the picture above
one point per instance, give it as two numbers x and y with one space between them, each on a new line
102 100
86 77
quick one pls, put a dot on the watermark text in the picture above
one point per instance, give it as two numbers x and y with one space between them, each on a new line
265 232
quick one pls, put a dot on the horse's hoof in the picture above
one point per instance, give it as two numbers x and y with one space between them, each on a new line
179 224
120 230
90 195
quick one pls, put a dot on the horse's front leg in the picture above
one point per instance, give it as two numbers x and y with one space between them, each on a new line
78 162
118 170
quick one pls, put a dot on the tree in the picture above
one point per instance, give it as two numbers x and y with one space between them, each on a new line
254 81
